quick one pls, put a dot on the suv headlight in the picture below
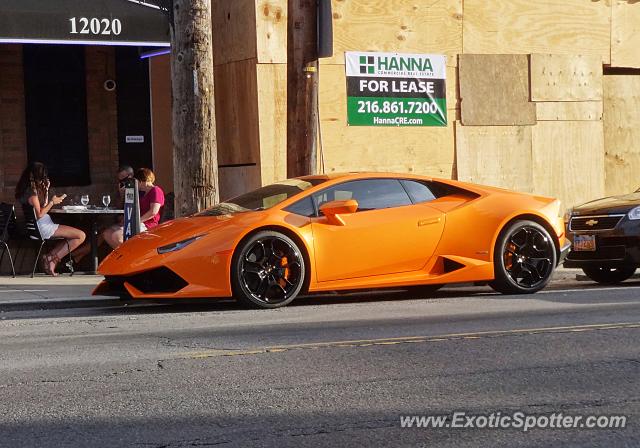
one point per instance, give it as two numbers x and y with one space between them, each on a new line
567 215
634 213
173 247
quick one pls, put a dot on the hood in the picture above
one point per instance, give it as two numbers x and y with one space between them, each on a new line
180 230
611 205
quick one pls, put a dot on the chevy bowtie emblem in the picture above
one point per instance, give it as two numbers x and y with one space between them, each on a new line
592 222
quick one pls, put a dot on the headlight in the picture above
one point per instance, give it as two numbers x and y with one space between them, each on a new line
567 215
634 213
178 246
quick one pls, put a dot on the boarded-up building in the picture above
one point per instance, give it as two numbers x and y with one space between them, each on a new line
543 96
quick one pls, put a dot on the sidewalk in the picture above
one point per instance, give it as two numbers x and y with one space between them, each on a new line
44 292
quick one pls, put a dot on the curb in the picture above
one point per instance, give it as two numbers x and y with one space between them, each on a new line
59 304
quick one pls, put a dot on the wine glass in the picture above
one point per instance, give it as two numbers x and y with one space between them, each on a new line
84 200
106 200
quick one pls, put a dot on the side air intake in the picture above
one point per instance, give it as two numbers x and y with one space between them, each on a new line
451 266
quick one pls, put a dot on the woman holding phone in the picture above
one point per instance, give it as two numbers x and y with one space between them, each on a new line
33 190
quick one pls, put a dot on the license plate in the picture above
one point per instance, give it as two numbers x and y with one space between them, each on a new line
586 243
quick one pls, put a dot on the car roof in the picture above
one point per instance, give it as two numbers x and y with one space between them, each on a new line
331 179
362 175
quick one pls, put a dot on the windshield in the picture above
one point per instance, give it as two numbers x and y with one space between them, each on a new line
262 198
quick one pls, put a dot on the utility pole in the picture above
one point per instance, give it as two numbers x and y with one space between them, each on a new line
302 89
195 157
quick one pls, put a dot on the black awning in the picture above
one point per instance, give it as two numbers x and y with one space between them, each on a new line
110 22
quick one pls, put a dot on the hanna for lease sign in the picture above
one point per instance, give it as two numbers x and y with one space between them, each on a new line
393 89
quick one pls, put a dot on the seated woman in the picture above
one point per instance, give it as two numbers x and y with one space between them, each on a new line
150 207
33 190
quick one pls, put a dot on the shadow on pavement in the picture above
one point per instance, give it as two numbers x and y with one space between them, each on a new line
593 294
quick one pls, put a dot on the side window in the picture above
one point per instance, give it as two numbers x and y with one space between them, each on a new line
418 191
303 207
371 194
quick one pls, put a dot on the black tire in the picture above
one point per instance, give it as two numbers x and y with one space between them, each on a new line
524 259
267 271
609 276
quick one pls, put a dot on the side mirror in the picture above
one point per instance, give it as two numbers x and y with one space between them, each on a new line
332 210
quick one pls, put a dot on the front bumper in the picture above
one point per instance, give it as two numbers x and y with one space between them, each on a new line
614 248
156 282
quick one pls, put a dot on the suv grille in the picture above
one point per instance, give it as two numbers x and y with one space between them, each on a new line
594 222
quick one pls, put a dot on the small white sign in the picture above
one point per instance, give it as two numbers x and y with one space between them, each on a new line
129 195
135 139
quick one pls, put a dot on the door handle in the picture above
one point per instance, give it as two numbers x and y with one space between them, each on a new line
428 222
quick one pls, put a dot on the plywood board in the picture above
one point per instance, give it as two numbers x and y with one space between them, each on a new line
234 25
397 26
495 155
421 150
494 90
540 26
568 160
237 180
237 113
453 102
625 34
566 78
271 31
622 133
249 29
569 111
272 106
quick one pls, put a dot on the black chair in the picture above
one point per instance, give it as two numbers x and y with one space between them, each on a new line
33 233
7 217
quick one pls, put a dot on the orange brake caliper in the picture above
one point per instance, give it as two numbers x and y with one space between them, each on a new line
508 257
284 263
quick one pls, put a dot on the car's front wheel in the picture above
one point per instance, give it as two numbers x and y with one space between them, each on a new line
609 276
268 270
524 259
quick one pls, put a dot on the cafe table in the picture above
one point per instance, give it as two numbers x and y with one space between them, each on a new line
93 215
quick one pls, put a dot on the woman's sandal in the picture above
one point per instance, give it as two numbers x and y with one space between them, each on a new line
46 264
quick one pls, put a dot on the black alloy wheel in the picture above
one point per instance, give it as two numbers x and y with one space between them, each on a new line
524 260
268 270
608 275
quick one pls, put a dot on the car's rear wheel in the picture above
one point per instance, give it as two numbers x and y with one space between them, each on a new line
609 276
525 258
268 270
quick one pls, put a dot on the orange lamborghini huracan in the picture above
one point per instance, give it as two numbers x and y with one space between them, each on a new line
345 232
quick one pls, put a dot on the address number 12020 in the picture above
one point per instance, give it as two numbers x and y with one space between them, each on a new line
96 26
397 107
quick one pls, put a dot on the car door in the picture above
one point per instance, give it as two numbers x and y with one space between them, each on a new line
388 234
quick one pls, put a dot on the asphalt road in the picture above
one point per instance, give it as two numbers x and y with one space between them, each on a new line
329 371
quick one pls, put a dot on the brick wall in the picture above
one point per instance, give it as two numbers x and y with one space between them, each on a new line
13 139
102 122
